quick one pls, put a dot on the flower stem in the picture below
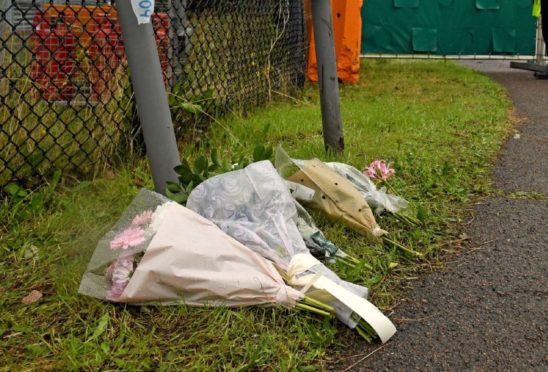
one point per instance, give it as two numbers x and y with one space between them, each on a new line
345 261
407 219
366 331
316 303
389 187
401 247
312 309
364 334
346 256
366 327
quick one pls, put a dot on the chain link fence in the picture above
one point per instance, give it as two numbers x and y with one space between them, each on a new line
65 96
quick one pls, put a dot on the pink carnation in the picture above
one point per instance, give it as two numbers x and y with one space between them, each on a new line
121 271
130 237
142 219
379 170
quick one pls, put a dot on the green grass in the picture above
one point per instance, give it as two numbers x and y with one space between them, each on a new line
440 124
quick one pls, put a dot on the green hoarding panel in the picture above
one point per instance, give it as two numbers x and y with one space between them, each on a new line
448 27
425 39
488 4
504 40
406 3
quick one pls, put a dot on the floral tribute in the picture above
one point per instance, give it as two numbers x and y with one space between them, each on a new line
379 170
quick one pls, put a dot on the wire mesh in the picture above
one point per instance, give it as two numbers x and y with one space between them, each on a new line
65 95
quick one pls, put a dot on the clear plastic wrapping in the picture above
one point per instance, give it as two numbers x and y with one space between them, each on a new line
162 252
378 199
254 206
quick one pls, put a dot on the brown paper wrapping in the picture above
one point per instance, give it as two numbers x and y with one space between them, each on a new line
337 198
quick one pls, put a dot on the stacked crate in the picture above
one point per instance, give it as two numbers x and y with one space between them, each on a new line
75 44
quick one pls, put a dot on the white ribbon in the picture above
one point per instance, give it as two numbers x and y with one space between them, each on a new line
366 310
143 10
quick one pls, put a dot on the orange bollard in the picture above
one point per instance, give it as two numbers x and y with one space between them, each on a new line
347 24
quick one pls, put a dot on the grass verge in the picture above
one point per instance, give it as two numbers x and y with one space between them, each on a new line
440 124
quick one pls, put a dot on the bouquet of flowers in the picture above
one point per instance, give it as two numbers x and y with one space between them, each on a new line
313 237
378 199
254 206
162 252
335 196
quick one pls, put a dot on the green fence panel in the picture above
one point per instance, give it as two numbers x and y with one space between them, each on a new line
448 27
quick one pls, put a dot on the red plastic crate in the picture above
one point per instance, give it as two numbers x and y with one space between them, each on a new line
63 33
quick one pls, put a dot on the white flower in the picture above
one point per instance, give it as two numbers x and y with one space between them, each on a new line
159 216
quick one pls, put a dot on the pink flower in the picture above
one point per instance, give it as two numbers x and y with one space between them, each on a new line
130 237
379 170
121 270
142 219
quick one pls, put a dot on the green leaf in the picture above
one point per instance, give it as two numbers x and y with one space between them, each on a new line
15 190
185 172
190 107
83 185
105 346
184 168
101 327
173 187
36 203
200 165
196 179
37 350
422 214
120 363
243 162
180 198
185 179
262 153
446 169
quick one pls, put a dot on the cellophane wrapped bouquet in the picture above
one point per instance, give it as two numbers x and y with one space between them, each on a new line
254 205
162 252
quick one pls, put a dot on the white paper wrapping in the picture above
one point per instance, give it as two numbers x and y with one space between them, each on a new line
187 259
301 263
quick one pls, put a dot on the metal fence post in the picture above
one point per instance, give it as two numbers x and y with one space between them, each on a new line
327 75
150 95
539 49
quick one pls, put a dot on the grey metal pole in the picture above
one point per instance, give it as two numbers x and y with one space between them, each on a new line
151 96
327 75
539 49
